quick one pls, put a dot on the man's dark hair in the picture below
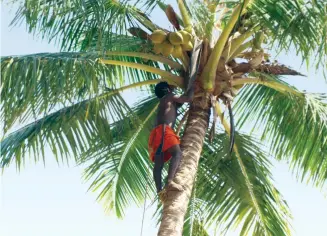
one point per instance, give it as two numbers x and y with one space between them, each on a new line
162 89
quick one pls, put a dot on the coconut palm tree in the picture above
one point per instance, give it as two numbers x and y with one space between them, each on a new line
72 102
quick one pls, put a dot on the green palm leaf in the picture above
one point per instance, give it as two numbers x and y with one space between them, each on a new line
221 196
67 96
120 163
295 126
283 19
222 186
194 218
34 84
67 131
118 42
204 20
76 20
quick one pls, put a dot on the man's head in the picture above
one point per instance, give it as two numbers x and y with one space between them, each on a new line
162 89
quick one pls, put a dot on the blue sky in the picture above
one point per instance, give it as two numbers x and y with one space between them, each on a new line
53 200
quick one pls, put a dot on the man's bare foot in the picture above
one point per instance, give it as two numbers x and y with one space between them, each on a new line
174 186
163 195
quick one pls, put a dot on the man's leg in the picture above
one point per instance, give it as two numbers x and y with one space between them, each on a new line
157 170
175 160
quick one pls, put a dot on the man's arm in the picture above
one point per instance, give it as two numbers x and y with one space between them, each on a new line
194 66
187 97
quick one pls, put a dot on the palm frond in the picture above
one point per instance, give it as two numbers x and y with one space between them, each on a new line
298 24
204 20
66 131
34 84
222 186
280 21
120 164
221 197
149 5
116 42
194 220
294 125
70 22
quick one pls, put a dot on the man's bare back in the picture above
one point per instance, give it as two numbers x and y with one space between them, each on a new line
167 111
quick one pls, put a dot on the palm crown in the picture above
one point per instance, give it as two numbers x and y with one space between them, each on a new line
74 101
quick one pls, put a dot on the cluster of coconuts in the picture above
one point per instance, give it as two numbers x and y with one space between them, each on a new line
173 43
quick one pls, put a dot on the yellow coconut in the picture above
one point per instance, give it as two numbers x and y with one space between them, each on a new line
186 36
175 38
177 52
187 47
167 48
158 36
157 48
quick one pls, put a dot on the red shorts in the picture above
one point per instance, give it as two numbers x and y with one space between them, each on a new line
170 140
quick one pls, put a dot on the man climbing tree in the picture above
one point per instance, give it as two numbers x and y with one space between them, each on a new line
163 142
116 45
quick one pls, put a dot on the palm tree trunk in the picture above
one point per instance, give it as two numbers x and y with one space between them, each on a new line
176 203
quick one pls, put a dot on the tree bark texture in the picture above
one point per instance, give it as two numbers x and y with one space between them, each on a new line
175 205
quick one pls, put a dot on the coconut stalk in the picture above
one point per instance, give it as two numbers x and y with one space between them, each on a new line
164 60
209 72
185 16
173 79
